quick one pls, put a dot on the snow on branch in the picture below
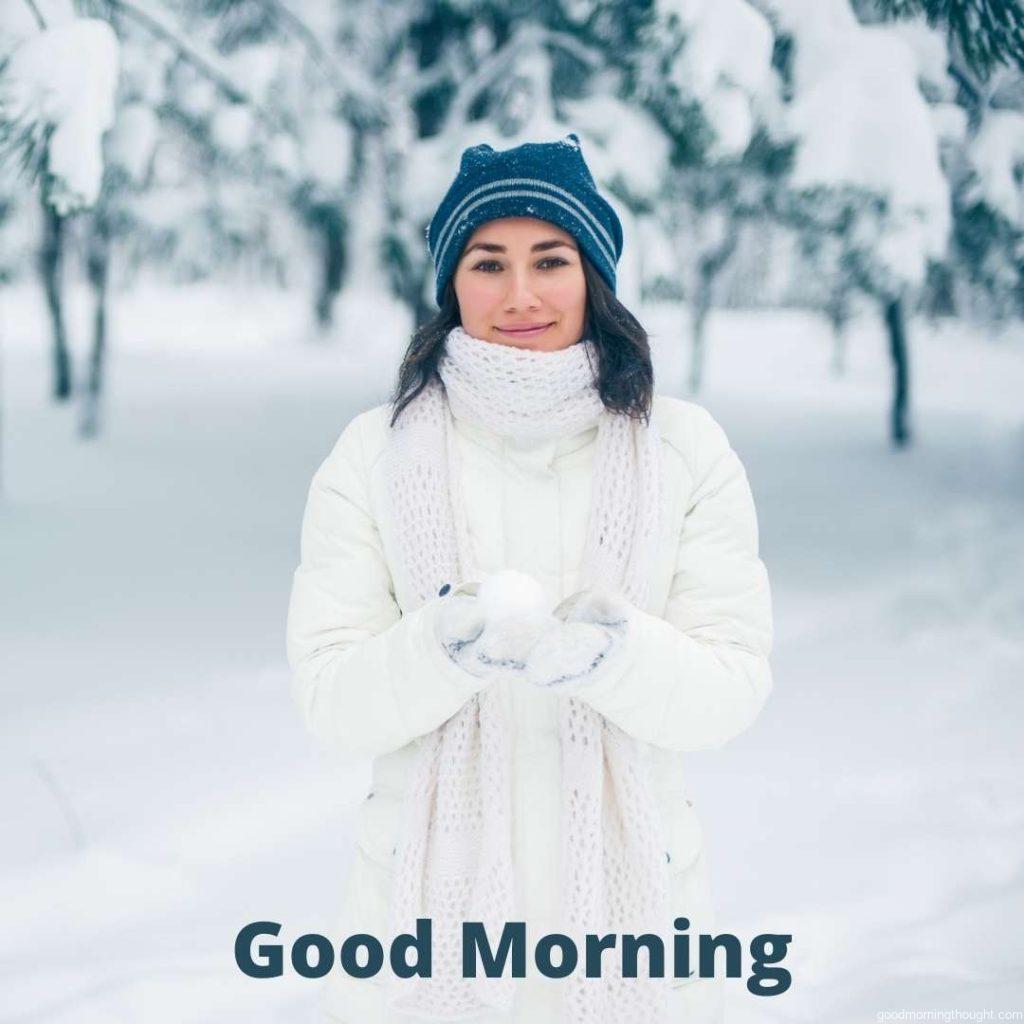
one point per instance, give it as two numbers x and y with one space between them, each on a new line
527 36
989 32
348 82
57 97
40 21
205 63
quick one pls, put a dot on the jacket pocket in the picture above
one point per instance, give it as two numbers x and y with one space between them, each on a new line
376 827
683 832
365 905
688 882
690 897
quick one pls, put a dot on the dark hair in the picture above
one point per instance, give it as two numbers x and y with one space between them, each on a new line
625 376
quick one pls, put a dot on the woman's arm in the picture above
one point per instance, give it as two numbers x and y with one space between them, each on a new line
699 676
366 679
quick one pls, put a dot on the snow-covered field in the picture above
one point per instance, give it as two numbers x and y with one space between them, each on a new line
158 790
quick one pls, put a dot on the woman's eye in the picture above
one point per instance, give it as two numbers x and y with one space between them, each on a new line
552 261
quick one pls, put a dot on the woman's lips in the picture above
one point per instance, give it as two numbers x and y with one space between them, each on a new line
530 333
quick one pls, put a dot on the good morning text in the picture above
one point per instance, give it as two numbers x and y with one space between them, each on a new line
555 955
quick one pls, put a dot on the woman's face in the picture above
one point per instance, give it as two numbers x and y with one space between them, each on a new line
522 272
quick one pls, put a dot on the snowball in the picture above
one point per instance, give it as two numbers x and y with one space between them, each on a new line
511 594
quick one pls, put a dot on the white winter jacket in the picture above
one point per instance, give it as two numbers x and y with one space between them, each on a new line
370 678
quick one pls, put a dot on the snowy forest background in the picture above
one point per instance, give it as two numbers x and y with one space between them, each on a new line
212 255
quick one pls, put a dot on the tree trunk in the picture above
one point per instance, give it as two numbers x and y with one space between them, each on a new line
98 268
838 363
838 313
51 262
330 223
711 265
895 323
422 309
702 307
409 279
1 412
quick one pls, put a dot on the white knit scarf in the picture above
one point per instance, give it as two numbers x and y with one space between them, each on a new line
454 862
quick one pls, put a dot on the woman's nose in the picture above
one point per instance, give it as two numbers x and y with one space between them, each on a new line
521 293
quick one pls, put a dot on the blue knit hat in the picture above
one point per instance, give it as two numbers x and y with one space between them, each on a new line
548 180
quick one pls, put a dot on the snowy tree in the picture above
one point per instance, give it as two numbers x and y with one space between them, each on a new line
56 103
867 170
971 67
192 159
58 81
989 206
984 33
705 73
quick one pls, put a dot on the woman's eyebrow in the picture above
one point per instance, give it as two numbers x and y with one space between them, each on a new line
551 243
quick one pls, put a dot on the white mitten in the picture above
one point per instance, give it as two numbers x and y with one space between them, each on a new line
592 626
488 628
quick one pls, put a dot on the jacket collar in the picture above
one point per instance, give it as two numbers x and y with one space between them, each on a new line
541 453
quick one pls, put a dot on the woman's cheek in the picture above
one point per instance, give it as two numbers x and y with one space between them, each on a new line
479 296
567 293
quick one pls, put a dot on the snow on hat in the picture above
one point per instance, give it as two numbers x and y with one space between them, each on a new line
548 180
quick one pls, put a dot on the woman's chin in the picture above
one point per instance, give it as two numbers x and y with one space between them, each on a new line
535 346
546 341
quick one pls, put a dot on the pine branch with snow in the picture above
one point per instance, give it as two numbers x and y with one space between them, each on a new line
57 93
989 32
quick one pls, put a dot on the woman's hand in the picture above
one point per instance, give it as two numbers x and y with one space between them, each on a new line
489 628
588 632
502 628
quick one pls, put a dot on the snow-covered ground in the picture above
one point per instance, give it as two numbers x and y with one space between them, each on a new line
158 790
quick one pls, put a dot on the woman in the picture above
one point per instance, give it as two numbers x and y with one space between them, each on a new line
528 586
